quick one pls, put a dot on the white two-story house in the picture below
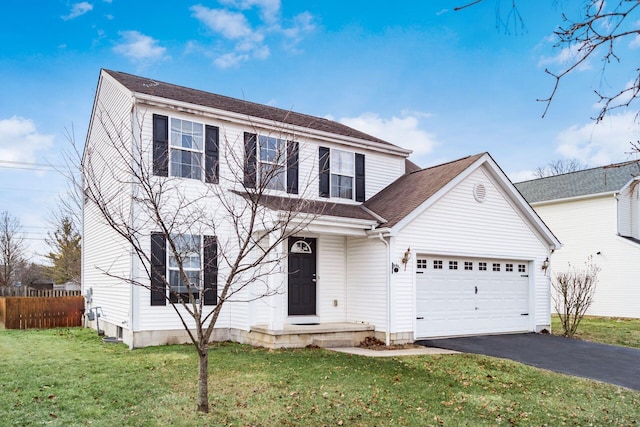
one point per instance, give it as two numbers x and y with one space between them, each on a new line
395 251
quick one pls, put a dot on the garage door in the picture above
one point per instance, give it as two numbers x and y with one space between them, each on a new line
466 296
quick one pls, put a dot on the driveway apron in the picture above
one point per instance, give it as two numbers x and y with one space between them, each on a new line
607 363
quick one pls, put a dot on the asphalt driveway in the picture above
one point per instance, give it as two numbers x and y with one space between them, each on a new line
607 363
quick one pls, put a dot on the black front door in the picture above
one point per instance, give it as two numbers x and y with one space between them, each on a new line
302 276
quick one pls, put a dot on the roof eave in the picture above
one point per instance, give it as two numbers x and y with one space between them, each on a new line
166 103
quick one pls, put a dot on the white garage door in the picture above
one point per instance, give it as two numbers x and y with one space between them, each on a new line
466 296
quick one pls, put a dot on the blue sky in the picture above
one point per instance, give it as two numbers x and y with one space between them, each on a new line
445 84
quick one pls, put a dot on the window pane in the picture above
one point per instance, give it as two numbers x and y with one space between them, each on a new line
271 149
188 248
178 284
185 164
273 176
186 134
342 186
342 162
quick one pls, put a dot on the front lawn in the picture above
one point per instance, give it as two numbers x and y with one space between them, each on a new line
68 377
607 330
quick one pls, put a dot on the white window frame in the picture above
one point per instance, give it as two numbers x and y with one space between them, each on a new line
181 289
279 163
340 173
176 146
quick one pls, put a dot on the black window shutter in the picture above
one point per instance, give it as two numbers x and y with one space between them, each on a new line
323 171
292 167
160 145
158 269
211 154
210 270
250 160
360 192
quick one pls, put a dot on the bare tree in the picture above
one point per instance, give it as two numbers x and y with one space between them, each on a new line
12 248
559 167
222 239
596 34
574 291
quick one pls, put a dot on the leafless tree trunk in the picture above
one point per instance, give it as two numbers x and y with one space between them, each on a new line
11 247
574 291
248 223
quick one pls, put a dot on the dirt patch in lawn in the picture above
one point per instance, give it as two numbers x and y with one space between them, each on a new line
372 343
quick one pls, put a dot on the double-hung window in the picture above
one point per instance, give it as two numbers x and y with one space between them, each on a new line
198 255
188 250
342 174
272 164
186 149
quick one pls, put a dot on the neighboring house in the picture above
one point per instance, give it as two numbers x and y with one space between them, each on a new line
596 213
398 252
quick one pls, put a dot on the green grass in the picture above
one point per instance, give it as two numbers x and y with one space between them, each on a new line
68 377
607 330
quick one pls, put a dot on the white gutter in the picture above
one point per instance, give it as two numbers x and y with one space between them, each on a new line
387 337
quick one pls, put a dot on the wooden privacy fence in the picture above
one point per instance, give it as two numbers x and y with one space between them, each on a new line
24 291
41 312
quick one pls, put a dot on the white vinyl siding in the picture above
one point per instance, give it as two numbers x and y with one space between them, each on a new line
103 250
331 272
457 225
618 288
367 282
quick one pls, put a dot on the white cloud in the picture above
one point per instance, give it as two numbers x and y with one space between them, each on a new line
230 25
566 57
403 131
138 47
20 140
78 9
249 40
600 144
635 43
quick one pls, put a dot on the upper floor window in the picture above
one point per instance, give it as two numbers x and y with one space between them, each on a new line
272 165
341 174
187 149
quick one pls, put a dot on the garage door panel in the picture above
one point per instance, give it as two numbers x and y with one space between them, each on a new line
465 296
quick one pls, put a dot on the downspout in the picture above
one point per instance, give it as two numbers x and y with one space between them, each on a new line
387 335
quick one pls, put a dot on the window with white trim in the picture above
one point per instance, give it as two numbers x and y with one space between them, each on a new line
342 173
186 146
272 164
189 249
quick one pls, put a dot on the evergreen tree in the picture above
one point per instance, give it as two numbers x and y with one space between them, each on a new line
65 252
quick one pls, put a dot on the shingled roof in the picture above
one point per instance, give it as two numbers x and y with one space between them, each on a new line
409 191
603 179
169 91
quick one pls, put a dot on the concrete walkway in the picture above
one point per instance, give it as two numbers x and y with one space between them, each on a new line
607 363
417 351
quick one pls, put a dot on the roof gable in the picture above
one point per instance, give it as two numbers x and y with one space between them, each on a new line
142 85
603 179
408 192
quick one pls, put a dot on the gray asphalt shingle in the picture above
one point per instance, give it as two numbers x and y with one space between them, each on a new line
603 179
